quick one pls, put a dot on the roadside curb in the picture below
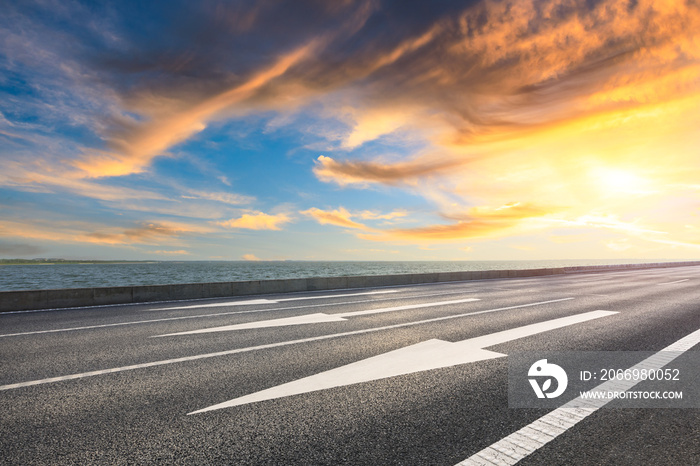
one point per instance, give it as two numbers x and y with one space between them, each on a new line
85 297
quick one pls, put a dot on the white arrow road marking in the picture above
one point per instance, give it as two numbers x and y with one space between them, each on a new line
261 347
252 302
314 318
218 314
427 355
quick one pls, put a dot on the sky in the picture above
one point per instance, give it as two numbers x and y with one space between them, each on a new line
350 130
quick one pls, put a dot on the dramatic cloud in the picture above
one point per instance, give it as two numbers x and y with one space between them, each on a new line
505 71
497 116
135 148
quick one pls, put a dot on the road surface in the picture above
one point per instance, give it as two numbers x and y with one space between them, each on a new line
401 375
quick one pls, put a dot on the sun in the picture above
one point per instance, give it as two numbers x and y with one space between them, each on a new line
614 181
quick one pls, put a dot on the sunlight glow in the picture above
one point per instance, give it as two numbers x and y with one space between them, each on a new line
614 182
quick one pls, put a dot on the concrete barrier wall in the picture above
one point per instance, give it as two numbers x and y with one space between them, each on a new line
79 297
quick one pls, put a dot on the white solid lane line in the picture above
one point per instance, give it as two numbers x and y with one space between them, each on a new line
530 438
254 348
252 302
166 319
424 356
315 318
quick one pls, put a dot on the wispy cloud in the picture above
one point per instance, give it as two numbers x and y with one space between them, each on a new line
373 215
178 252
364 172
152 233
25 176
94 233
223 197
343 218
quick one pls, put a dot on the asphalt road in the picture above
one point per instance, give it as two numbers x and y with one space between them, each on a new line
137 394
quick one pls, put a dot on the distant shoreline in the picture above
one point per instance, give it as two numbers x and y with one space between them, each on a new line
57 261
67 261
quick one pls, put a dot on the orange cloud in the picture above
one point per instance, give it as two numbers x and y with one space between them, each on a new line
39 230
151 233
82 232
339 217
359 172
49 178
520 70
257 221
372 215
44 178
441 233
372 123
250 257
508 212
479 222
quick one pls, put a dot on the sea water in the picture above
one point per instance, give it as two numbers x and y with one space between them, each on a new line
59 276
